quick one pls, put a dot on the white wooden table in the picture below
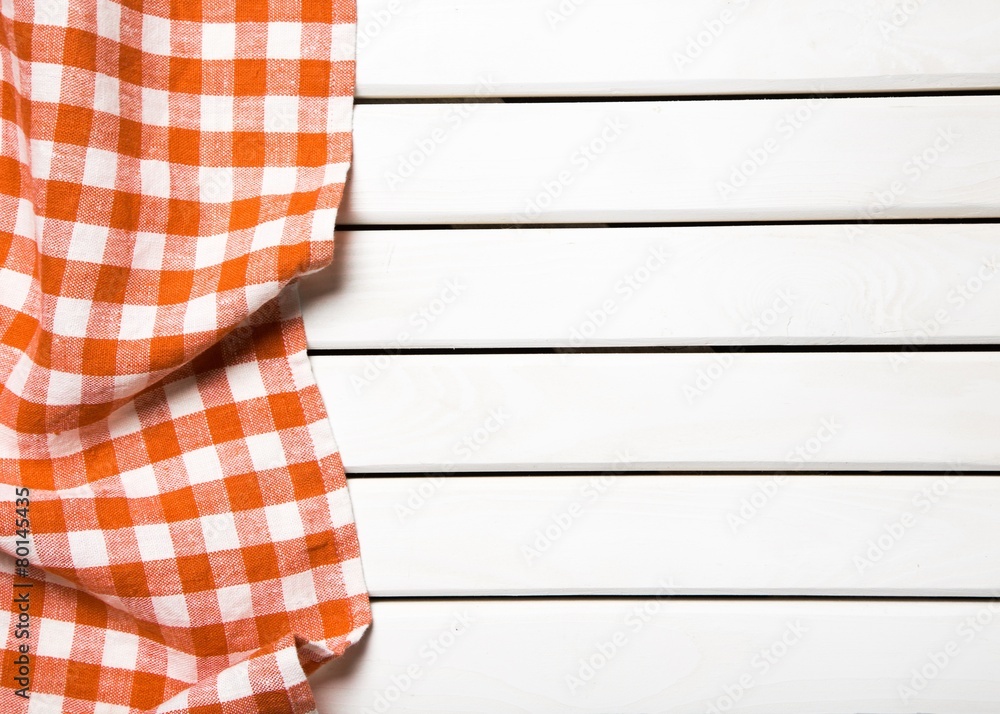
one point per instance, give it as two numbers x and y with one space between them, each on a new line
661 348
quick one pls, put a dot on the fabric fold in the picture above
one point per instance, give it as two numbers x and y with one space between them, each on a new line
175 527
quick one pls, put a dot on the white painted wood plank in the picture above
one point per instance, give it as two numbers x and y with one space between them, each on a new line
676 656
707 285
615 534
449 48
704 411
795 159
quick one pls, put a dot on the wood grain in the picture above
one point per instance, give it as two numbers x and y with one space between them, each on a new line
761 411
677 656
860 159
705 285
447 48
616 534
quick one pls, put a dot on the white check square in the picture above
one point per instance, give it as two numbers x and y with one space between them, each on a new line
106 94
155 542
202 464
284 40
138 322
87 243
100 167
88 548
298 591
278 180
216 113
218 40
199 315
219 532
234 683
266 450
70 317
154 178
155 34
55 639
155 106
64 388
245 381
284 521
109 18
46 82
235 602
121 650
171 610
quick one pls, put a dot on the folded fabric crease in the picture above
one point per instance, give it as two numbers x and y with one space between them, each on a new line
175 528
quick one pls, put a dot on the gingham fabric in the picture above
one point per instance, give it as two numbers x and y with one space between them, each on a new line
176 531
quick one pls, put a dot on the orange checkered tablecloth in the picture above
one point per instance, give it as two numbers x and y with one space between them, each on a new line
176 530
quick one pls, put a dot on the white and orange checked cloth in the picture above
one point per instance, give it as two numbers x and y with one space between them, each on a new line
176 529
